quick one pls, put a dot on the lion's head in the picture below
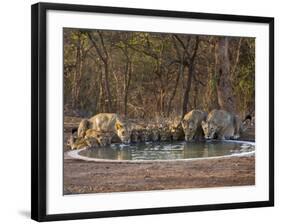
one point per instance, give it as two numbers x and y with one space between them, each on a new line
165 134
209 129
123 132
176 132
189 128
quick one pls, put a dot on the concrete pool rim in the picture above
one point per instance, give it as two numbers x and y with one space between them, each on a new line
74 154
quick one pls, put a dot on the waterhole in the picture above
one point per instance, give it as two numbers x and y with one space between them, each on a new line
167 150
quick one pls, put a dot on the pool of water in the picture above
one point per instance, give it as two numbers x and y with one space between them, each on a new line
169 151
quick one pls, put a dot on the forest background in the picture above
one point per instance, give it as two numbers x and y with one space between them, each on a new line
147 75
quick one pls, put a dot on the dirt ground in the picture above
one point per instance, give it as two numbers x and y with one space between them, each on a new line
97 177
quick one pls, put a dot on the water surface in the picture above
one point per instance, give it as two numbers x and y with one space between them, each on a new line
168 151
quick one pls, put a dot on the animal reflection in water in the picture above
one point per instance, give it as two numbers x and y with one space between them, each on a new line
168 151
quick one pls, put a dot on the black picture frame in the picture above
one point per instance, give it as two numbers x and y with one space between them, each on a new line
38 108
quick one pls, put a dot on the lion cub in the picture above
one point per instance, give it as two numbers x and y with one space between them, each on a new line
103 138
81 143
135 136
177 132
154 132
145 134
191 125
165 134
222 124
140 135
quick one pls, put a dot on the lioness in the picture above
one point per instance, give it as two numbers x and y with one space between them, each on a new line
82 128
103 138
191 125
105 122
222 124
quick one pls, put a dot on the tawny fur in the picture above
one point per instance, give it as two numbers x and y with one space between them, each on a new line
221 124
191 125
105 122
103 138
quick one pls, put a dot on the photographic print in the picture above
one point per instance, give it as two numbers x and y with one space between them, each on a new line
141 111
157 111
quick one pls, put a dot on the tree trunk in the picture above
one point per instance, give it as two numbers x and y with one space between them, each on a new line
224 89
190 76
103 55
101 96
180 73
162 101
211 93
127 82
195 96
77 76
234 68
107 88
187 90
